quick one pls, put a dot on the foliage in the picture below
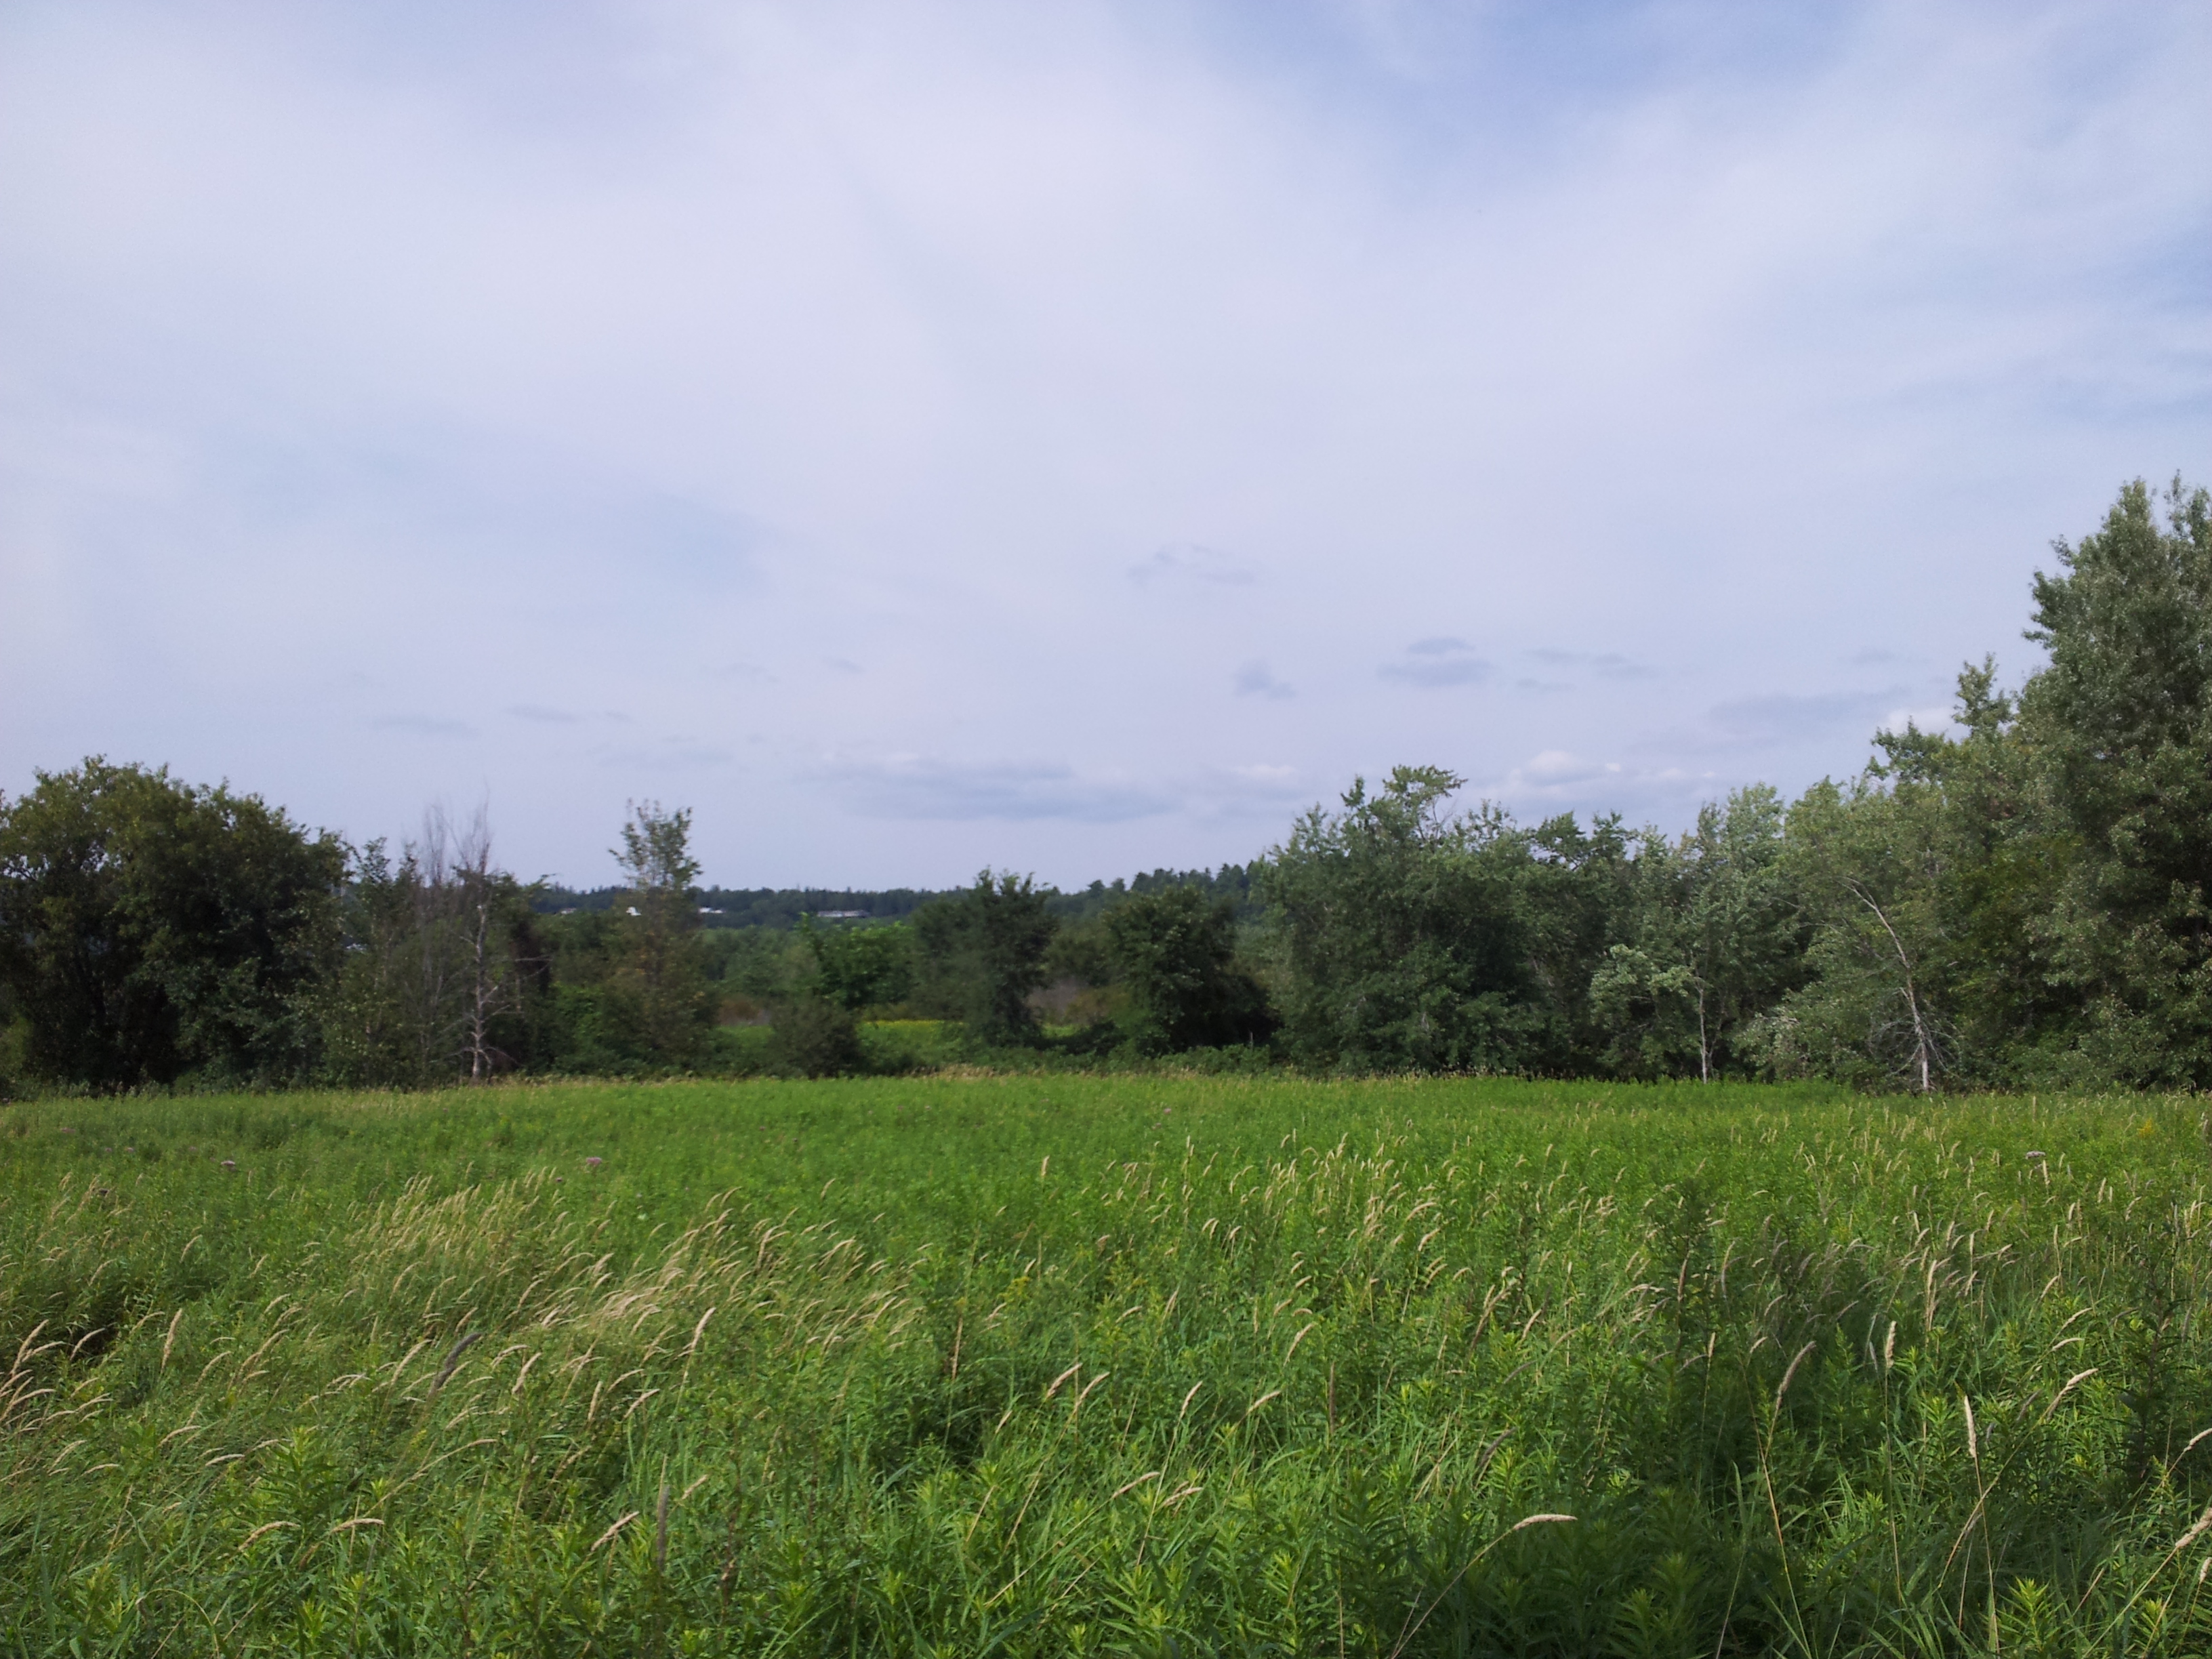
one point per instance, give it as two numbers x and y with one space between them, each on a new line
1404 943
759 964
1872 870
1104 1366
2024 904
2119 726
859 968
1236 884
1082 950
1716 940
149 930
654 984
1175 954
815 1036
445 971
1574 893
983 952
776 909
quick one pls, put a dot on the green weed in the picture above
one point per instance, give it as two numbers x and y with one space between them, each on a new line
1068 1364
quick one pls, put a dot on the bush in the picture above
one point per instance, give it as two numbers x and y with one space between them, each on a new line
14 1044
900 1048
815 1037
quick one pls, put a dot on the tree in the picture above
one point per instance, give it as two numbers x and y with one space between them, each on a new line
149 929
1175 955
814 1036
658 980
2024 904
444 970
1575 894
983 952
2119 728
1401 927
860 968
1918 882
1871 864
1716 940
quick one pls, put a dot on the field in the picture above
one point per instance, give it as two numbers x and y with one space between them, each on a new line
1069 1365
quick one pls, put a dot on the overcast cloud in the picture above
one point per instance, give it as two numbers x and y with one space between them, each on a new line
1071 438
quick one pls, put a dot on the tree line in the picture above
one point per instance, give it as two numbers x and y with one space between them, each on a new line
2020 901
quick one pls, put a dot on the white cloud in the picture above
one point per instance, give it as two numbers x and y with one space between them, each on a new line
412 364
1935 717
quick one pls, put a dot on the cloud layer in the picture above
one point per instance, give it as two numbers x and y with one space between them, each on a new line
1114 425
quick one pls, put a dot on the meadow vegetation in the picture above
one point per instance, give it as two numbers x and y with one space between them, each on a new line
1140 1364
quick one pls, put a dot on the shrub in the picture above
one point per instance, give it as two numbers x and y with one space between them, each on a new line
815 1037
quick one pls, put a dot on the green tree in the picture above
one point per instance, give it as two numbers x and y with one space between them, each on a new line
1175 955
1716 940
1401 932
149 929
2025 903
444 971
656 982
860 968
2119 728
983 952
1920 884
1575 895
1873 865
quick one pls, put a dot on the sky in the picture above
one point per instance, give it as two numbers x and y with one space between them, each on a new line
1071 438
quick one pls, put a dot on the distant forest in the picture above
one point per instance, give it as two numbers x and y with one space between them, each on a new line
2022 900
784 907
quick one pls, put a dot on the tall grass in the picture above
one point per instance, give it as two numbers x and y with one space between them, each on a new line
1079 1365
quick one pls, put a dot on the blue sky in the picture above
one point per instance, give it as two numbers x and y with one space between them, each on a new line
1072 438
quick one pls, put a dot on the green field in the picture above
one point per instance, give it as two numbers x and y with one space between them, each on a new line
1068 1364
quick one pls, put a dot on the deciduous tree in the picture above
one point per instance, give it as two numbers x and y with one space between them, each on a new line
983 952
1174 956
149 929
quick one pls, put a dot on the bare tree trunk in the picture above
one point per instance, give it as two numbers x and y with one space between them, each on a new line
480 1001
1705 1042
1923 1042
431 858
487 986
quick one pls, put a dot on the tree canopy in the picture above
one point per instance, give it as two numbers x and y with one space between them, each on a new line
149 929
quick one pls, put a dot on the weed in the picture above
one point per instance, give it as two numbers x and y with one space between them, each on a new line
1053 1363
